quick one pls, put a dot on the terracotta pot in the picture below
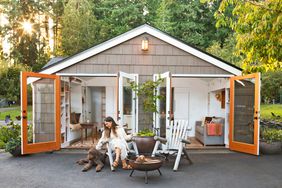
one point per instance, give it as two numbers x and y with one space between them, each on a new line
145 144
16 152
270 148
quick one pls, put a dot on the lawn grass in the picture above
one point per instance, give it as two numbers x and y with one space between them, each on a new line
266 109
16 112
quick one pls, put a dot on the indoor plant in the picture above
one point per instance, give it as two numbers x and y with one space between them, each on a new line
271 141
147 91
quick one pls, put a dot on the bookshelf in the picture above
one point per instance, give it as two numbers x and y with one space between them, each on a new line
65 108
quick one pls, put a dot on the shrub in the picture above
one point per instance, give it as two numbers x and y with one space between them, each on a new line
12 144
271 135
10 136
8 132
10 81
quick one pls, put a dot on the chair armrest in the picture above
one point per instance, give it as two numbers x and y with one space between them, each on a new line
162 140
185 141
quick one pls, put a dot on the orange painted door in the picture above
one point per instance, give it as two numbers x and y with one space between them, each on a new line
244 113
40 108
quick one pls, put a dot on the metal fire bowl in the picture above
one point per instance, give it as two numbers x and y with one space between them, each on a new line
152 163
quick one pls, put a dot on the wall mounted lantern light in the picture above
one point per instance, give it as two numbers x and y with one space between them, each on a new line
145 44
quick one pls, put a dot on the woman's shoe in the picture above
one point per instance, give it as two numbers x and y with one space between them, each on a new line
115 164
126 167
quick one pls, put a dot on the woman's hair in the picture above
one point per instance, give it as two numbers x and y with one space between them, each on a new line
113 128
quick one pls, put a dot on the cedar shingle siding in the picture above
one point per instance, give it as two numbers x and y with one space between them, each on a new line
128 57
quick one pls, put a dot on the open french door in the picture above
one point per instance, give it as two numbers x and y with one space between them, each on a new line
244 113
127 101
40 94
163 117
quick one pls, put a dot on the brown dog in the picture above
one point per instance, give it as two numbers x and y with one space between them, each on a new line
94 157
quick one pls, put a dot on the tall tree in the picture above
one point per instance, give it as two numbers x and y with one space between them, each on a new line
258 31
80 28
119 16
227 51
56 13
24 29
191 21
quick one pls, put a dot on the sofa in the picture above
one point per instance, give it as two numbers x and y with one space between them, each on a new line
202 132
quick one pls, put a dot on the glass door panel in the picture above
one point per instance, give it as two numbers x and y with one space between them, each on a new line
127 102
163 116
244 113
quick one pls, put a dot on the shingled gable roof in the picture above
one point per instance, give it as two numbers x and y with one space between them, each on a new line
134 33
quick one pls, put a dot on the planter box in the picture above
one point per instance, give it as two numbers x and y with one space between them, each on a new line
270 148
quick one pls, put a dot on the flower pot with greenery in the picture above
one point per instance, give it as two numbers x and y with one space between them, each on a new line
271 141
147 92
145 141
10 138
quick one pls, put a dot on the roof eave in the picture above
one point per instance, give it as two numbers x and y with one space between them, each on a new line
134 33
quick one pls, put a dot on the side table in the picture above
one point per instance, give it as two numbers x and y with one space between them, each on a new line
92 126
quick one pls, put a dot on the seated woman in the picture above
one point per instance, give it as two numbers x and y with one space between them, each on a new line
117 138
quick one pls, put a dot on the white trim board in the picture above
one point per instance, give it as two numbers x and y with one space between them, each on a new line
134 33
202 75
87 75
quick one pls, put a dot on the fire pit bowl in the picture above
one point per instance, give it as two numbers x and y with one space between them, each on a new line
150 164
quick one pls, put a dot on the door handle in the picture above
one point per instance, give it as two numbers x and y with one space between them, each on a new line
24 116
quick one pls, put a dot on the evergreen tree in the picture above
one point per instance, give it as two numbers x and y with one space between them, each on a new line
80 28
191 21
119 16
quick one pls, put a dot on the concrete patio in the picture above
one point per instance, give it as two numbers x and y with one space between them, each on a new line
59 169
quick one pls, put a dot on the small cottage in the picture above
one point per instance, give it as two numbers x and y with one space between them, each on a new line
220 105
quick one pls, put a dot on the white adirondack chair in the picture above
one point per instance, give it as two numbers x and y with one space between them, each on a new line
175 141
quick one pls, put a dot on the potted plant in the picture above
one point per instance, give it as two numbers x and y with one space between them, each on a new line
271 141
145 141
147 91
10 138
13 146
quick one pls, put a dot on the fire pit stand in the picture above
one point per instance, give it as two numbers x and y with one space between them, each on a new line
152 163
146 174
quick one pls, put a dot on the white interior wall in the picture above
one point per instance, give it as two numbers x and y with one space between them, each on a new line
218 83
76 106
198 98
215 106
110 84
76 98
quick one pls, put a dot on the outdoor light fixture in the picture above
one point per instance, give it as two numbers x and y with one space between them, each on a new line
145 44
